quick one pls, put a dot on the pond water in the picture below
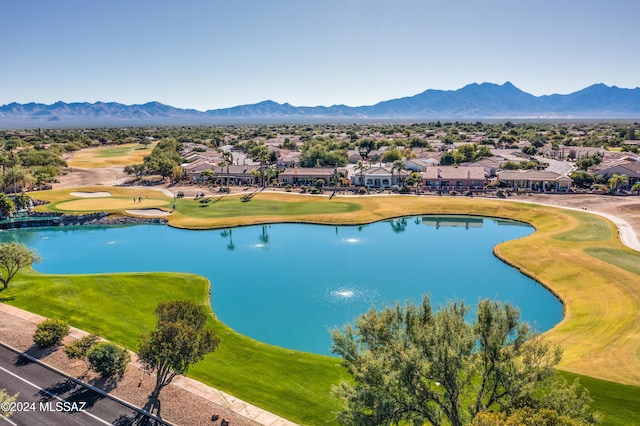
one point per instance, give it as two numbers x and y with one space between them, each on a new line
289 284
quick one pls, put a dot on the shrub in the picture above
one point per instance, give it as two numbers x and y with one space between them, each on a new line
108 359
50 332
80 348
362 190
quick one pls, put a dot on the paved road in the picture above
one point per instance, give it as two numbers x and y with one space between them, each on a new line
560 167
48 398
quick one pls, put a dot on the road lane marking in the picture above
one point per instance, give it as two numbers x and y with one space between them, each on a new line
50 394
8 421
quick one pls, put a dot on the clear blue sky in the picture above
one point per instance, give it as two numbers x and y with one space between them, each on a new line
207 54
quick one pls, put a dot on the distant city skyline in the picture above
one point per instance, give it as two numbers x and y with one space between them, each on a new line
206 55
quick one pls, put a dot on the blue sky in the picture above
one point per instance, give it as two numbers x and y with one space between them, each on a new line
207 54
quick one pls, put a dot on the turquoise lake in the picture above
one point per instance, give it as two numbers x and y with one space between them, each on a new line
289 284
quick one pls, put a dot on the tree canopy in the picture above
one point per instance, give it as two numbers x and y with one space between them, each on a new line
178 341
13 257
411 365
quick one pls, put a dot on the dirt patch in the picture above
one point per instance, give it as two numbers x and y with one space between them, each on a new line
74 177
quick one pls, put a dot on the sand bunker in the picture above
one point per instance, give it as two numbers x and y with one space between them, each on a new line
91 194
148 212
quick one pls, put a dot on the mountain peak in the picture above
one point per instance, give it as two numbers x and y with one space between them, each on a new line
473 101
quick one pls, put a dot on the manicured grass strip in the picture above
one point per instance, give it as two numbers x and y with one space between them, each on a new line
120 308
196 214
623 258
617 403
589 228
110 156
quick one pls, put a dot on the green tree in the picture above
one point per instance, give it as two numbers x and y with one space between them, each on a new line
582 179
391 155
7 206
411 365
451 158
615 181
260 153
79 348
399 166
228 159
178 341
108 359
636 187
50 332
164 157
365 146
360 167
22 201
13 257
10 145
138 170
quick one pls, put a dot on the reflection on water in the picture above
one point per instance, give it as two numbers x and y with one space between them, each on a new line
287 284
453 221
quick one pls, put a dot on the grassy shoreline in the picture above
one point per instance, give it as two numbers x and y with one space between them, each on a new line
577 255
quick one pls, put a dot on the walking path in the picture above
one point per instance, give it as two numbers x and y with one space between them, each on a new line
217 397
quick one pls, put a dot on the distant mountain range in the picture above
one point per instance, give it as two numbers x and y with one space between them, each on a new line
474 101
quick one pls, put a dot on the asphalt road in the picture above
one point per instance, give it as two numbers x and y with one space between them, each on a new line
48 398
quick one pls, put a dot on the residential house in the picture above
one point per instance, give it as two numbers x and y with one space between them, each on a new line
198 166
380 177
535 180
237 174
420 164
306 176
491 165
288 158
458 178
628 165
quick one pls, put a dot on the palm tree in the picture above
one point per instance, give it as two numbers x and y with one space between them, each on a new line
206 175
10 145
361 168
228 158
4 160
397 165
260 153
615 181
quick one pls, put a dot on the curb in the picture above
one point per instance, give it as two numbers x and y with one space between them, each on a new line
86 385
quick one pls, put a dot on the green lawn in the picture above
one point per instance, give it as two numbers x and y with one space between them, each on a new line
234 207
120 308
618 403
625 259
590 228
119 151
